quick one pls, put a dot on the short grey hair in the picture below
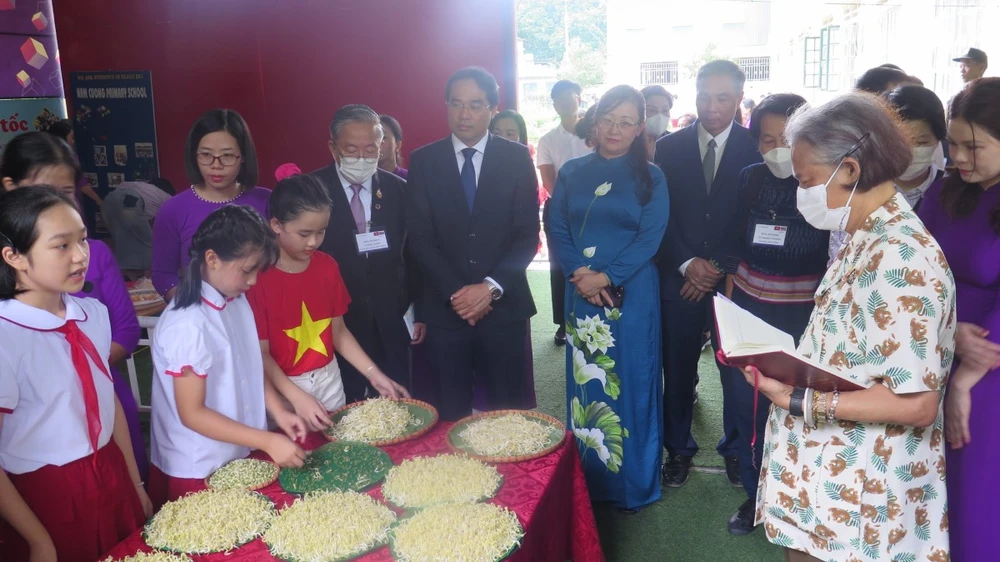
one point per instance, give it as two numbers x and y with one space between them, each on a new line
355 113
856 123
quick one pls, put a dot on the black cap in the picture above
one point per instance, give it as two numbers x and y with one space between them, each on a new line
973 54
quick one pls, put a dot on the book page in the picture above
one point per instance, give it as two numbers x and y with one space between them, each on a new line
741 332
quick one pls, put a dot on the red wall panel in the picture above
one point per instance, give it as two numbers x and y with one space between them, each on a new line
287 65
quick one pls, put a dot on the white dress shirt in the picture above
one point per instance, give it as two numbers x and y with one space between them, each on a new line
41 400
477 158
365 194
477 163
720 143
720 146
217 339
559 146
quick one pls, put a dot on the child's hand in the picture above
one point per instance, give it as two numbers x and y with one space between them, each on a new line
283 452
147 504
311 411
387 387
293 426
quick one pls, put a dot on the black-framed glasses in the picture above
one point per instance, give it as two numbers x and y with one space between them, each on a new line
227 160
474 107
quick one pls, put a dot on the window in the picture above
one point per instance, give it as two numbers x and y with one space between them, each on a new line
757 69
735 33
822 63
830 58
811 66
658 73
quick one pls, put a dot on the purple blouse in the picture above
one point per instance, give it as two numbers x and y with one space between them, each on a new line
173 231
109 288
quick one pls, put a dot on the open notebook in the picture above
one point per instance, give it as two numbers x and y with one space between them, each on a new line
745 340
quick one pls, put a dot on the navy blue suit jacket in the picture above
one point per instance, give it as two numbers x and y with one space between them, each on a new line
699 219
498 239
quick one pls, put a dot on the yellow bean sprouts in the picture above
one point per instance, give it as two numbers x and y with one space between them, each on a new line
329 526
426 481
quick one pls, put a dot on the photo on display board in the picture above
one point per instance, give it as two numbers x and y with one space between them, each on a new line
91 179
121 155
143 150
114 180
100 155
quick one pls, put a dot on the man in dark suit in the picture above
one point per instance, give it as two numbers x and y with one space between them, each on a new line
694 253
366 236
473 226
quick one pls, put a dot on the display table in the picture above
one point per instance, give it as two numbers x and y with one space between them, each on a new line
548 494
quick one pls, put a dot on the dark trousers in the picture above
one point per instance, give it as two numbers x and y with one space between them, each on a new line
393 360
557 279
494 352
792 319
683 324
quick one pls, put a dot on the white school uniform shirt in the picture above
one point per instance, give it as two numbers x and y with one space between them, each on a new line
45 418
559 146
217 339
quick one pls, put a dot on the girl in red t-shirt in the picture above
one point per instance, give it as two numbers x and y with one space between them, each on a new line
299 308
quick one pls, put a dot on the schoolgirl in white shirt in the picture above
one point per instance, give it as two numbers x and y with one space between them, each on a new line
209 390
69 486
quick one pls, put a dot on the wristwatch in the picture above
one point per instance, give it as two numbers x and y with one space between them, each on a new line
495 292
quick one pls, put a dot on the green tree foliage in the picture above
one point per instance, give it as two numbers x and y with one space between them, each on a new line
551 27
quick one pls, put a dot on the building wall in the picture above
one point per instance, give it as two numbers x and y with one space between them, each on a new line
287 65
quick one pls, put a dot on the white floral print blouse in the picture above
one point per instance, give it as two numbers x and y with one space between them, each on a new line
885 314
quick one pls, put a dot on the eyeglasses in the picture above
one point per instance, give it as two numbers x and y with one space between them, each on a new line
474 107
227 160
367 153
623 125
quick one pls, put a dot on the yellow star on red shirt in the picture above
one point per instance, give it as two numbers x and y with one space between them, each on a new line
308 334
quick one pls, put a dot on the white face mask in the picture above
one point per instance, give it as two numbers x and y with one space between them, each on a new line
779 161
657 124
923 157
811 202
357 170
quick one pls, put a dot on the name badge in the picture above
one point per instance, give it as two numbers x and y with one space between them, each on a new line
374 241
770 234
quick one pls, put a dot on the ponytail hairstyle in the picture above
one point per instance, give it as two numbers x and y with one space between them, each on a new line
232 232
297 194
977 105
19 213
637 154
28 153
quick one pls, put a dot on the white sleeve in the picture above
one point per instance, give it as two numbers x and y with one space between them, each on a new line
184 345
543 156
684 267
9 392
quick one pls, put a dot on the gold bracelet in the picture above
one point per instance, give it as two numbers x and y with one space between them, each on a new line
815 408
822 408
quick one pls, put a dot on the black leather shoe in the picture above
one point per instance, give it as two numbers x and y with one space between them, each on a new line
741 523
733 471
675 471
560 337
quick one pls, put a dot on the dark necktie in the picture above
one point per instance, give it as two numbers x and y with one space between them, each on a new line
469 176
708 165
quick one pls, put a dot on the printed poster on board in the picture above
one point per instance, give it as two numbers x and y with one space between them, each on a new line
115 128
28 114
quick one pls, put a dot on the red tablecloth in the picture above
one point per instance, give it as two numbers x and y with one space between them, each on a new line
548 494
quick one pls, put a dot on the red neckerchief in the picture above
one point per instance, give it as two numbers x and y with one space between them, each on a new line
80 348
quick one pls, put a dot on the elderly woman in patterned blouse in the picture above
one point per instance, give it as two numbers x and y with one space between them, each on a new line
859 475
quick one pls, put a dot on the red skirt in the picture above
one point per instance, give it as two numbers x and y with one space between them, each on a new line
163 488
87 506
